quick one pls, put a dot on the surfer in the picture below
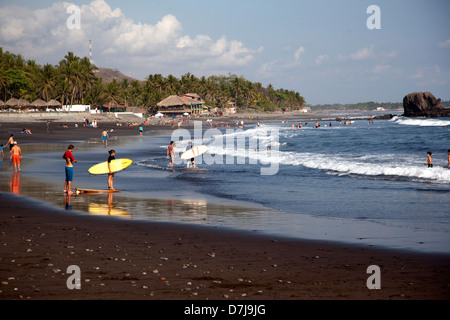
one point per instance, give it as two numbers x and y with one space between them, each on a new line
68 156
429 163
105 137
111 157
171 153
190 146
16 154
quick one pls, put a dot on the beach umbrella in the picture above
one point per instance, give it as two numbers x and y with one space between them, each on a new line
54 104
24 103
39 103
13 102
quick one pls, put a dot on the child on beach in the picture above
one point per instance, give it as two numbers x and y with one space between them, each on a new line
171 153
105 137
111 157
1 151
68 156
10 142
429 163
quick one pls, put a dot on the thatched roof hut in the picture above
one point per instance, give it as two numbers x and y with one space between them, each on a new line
173 101
24 103
13 102
39 103
54 103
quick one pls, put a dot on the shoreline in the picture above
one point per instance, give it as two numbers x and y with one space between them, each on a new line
167 261
126 259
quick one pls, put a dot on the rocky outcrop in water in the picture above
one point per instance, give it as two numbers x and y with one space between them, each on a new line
423 104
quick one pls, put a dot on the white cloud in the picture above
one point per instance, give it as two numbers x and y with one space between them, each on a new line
445 44
363 54
321 59
298 52
116 40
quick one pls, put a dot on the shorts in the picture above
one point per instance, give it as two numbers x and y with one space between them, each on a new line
16 158
105 138
69 173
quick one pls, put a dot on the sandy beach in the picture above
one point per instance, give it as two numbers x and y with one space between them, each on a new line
123 260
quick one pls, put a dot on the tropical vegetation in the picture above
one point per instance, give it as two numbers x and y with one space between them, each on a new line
74 81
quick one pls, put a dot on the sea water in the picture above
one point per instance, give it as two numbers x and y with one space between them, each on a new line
364 180
363 183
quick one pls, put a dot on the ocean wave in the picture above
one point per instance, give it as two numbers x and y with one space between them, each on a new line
345 166
386 166
421 122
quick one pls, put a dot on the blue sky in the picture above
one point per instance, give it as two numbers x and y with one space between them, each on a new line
322 49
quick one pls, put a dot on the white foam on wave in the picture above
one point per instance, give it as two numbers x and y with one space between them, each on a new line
343 165
401 166
421 122
386 166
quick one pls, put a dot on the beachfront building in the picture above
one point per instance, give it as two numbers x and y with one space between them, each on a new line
230 107
189 103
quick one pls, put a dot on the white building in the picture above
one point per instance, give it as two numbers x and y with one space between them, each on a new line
77 107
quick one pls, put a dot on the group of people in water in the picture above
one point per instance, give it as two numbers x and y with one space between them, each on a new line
16 156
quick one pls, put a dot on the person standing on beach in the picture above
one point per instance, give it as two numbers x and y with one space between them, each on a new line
105 137
141 130
1 151
429 163
171 153
16 155
190 146
10 142
111 157
68 156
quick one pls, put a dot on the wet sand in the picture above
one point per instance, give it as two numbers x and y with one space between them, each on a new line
123 260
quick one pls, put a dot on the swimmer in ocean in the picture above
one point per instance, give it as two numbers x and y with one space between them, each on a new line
429 163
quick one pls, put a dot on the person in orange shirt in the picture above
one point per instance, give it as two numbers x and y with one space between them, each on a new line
16 155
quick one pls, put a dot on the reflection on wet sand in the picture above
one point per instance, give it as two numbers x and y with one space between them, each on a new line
15 183
107 209
67 201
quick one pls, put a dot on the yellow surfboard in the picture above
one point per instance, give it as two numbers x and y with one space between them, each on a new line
116 165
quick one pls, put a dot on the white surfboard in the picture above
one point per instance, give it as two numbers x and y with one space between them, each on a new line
194 152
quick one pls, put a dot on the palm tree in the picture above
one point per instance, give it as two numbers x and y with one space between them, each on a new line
113 93
97 94
46 82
